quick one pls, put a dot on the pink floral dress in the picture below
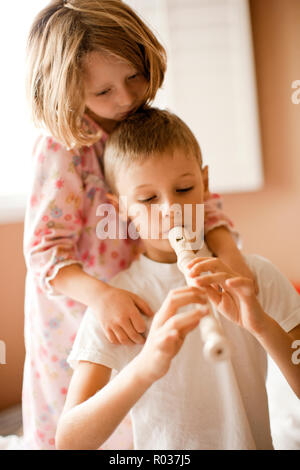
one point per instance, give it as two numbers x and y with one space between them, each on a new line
60 229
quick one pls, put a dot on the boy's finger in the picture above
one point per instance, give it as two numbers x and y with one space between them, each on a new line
188 289
191 327
211 264
241 286
214 295
183 321
196 261
208 279
173 303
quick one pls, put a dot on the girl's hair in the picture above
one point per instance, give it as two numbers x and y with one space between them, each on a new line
148 133
61 35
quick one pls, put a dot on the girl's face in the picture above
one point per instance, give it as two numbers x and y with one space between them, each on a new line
113 88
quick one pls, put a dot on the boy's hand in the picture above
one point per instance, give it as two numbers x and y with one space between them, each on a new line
242 269
232 295
120 315
168 331
222 243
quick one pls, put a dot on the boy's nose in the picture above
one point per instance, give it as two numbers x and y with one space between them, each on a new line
172 211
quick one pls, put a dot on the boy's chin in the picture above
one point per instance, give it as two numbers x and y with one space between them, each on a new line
162 246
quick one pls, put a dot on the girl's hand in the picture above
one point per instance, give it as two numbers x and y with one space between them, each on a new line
120 315
168 331
232 295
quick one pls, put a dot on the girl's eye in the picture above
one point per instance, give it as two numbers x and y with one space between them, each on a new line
184 190
102 93
133 76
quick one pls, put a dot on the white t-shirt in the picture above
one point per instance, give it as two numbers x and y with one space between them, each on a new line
197 404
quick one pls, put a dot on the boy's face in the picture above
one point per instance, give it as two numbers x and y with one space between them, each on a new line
157 186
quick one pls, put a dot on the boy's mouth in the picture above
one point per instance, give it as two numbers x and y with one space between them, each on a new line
166 232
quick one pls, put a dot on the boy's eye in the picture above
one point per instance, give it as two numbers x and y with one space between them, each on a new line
184 190
147 200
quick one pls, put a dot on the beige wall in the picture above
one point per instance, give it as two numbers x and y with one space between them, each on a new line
269 220
12 276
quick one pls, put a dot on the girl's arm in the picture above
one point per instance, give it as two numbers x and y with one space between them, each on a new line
95 406
222 244
112 307
53 226
218 236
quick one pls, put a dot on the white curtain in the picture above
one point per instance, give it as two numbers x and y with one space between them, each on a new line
17 132
211 84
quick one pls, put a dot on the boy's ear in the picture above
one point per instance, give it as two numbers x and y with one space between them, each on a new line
112 198
205 182
115 201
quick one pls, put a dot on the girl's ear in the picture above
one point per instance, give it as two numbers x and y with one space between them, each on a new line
205 182
115 201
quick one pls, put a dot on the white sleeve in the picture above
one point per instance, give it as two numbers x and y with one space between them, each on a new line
91 345
277 295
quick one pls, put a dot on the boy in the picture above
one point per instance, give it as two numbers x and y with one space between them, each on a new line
177 399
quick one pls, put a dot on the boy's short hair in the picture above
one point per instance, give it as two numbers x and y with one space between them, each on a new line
60 37
150 132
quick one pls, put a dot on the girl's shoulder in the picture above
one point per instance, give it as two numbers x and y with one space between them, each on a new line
48 144
50 155
49 152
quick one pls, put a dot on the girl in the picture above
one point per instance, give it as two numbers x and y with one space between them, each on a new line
90 64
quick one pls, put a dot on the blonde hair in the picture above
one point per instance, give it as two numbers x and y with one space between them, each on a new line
60 37
149 133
